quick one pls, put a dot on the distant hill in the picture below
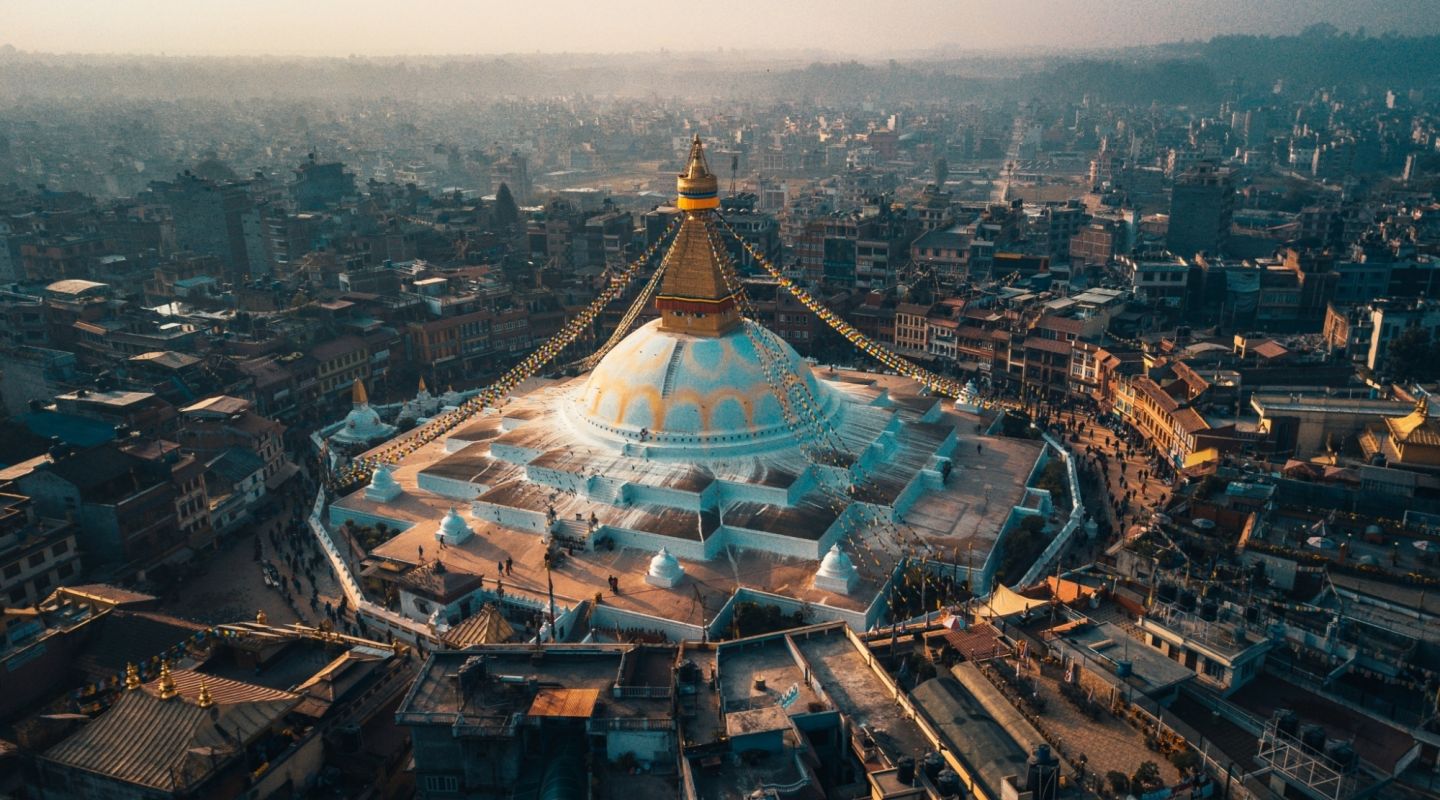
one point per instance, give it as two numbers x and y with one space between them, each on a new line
1174 73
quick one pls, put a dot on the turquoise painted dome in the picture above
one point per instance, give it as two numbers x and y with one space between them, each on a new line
703 395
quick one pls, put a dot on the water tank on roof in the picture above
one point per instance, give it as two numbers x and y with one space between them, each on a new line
1313 737
948 784
932 765
1166 592
1209 610
1042 774
1341 755
1287 722
905 770
1186 600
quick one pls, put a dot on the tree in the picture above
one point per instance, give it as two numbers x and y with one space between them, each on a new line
1186 760
1146 777
507 213
1119 784
942 172
1412 355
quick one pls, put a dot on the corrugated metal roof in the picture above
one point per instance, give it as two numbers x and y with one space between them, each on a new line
170 745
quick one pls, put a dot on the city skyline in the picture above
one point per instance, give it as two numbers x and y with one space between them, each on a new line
155 27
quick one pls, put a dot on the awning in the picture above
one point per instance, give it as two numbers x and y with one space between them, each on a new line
1004 603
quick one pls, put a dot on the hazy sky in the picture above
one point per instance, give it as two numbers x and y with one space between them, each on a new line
859 27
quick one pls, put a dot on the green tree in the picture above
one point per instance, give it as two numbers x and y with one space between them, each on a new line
1412 356
1146 777
507 212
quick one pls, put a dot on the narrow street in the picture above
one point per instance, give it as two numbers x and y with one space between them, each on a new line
230 584
1117 456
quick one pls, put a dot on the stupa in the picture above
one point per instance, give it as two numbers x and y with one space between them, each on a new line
969 399
422 406
453 530
837 572
383 487
362 426
664 570
704 437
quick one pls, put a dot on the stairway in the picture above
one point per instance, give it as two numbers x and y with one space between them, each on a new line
571 531
677 353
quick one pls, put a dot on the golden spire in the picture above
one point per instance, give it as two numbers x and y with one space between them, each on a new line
1422 406
167 682
699 190
132 677
697 295
422 384
204 700
260 618
357 392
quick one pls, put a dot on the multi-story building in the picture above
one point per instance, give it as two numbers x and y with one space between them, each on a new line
26 320
1160 408
1160 281
1388 319
36 554
214 425
145 413
339 363
758 229
208 218
124 505
472 729
1202 204
912 328
318 185
32 374
513 171
942 251
454 346
187 475
1052 226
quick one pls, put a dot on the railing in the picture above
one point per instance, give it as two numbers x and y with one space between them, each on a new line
383 616
1077 516
630 724
793 786
652 692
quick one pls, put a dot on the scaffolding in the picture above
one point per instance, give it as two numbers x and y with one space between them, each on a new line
1303 767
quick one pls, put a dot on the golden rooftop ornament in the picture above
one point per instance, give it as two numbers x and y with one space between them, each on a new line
167 682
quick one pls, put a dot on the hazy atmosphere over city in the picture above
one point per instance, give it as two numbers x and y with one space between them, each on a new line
723 401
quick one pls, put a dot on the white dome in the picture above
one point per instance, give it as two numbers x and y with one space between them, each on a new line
362 426
837 572
383 486
453 529
696 395
665 570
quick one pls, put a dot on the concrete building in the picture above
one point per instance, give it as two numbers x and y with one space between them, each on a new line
1202 204
36 554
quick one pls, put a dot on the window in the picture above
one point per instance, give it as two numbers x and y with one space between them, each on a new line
11 570
60 548
441 783
36 559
